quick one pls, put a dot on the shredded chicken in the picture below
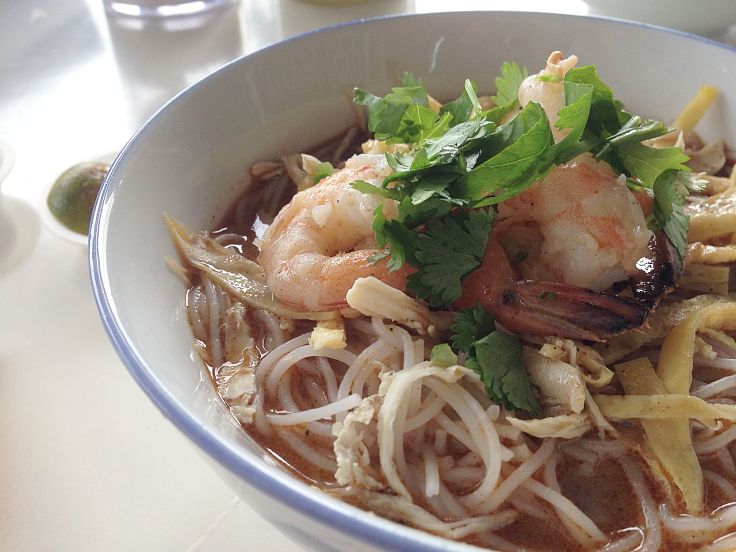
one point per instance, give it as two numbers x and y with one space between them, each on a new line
372 297
560 384
353 436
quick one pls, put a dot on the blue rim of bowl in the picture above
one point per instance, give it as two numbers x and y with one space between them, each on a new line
280 485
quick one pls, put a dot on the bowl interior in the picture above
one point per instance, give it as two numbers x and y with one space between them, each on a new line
190 161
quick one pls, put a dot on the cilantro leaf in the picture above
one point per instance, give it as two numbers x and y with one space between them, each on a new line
635 130
450 248
386 114
574 116
416 122
402 239
440 127
370 189
669 212
470 325
606 113
507 91
443 356
472 96
408 80
497 358
518 165
646 163
461 108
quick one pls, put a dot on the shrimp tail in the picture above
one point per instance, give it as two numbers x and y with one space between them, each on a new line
560 309
658 272
546 308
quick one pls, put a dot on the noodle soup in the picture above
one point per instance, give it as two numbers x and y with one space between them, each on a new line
561 382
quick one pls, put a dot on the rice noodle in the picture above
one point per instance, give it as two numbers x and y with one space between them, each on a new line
627 543
520 475
652 528
391 420
377 350
404 510
715 388
307 452
708 446
298 354
699 529
432 408
727 462
214 322
267 362
323 412
450 504
724 544
260 420
315 390
526 502
328 375
275 335
463 476
400 337
550 479
431 472
483 433
440 441
727 487
565 506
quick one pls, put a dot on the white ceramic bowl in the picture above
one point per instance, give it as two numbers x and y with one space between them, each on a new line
189 159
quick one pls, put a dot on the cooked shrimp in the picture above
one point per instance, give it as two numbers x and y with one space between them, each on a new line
548 89
592 227
544 308
571 235
322 241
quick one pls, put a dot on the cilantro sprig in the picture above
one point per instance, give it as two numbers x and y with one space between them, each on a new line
496 357
462 158
507 91
403 115
450 248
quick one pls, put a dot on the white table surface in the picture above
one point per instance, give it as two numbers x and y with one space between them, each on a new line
86 461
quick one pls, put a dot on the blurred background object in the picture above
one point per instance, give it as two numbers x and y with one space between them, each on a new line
710 18
164 8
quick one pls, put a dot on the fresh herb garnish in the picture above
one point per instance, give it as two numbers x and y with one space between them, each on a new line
461 108
496 357
463 159
669 213
507 91
469 326
388 113
443 356
450 248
